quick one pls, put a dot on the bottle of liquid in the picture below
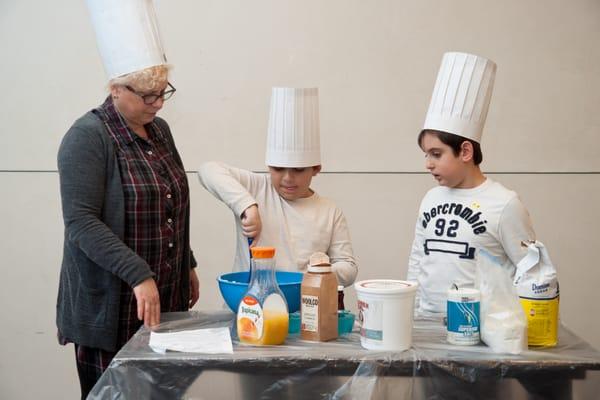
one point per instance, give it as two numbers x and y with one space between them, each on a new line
262 317
341 306
319 302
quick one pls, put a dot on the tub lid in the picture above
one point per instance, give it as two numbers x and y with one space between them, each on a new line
385 286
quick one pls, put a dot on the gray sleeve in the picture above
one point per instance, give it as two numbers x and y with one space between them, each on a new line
82 168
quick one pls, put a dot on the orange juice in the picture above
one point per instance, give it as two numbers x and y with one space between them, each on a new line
275 329
262 317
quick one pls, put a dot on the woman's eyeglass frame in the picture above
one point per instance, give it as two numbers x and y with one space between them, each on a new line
151 98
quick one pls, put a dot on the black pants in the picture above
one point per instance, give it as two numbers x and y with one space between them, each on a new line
91 363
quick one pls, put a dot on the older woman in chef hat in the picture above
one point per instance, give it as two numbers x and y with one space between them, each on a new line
125 199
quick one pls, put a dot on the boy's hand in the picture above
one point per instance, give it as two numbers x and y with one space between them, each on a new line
251 224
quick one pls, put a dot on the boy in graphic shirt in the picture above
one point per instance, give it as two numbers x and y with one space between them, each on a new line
467 211
280 209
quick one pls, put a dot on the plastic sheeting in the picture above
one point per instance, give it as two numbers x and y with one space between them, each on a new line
342 369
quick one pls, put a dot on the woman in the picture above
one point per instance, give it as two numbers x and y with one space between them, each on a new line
125 204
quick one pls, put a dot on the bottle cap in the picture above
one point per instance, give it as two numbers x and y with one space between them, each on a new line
319 259
263 252
319 262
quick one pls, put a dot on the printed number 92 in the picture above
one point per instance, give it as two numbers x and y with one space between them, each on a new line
440 227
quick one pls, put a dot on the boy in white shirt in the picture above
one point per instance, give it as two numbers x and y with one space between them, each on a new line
280 209
467 211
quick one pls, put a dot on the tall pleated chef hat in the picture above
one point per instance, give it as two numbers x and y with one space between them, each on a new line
127 35
293 138
462 94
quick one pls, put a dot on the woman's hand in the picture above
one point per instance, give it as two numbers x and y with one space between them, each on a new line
194 287
251 224
148 302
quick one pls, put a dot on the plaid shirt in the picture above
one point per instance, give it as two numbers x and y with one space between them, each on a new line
156 196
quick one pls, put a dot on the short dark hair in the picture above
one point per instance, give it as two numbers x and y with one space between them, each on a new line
454 141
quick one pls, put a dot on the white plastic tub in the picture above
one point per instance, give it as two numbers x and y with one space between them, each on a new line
385 312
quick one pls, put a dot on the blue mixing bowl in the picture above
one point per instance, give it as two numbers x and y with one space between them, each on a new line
233 286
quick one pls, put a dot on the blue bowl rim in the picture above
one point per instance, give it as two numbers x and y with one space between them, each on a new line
236 283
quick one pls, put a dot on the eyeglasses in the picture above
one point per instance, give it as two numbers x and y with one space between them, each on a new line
152 98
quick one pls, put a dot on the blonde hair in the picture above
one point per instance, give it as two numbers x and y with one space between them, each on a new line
145 80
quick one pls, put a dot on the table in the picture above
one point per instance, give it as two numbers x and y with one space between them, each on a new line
342 369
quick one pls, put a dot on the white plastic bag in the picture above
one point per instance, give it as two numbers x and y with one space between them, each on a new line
503 323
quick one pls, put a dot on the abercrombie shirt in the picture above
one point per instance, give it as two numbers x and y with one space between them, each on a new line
453 224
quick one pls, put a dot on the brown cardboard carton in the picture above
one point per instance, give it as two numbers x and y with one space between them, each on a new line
319 301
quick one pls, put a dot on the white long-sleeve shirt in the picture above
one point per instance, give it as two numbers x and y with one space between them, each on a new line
295 228
453 224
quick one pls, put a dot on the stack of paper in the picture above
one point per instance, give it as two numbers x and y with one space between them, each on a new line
211 341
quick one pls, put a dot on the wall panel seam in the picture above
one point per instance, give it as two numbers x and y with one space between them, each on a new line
11 171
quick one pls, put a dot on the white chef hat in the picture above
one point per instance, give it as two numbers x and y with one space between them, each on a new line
462 95
293 139
127 35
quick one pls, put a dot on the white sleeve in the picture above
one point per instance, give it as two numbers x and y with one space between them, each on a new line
414 260
416 253
514 227
235 187
340 251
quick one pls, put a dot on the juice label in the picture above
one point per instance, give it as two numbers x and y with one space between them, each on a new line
250 320
310 313
542 321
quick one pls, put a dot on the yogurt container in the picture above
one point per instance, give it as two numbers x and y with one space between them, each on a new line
385 313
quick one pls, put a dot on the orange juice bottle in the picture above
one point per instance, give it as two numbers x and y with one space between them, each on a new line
262 317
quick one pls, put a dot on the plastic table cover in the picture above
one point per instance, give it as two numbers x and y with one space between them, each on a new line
342 369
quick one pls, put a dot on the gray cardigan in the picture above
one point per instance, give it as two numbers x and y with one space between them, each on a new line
95 258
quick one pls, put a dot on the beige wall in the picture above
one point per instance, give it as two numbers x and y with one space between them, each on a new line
375 64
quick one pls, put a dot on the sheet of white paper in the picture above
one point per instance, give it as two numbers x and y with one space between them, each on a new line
210 341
